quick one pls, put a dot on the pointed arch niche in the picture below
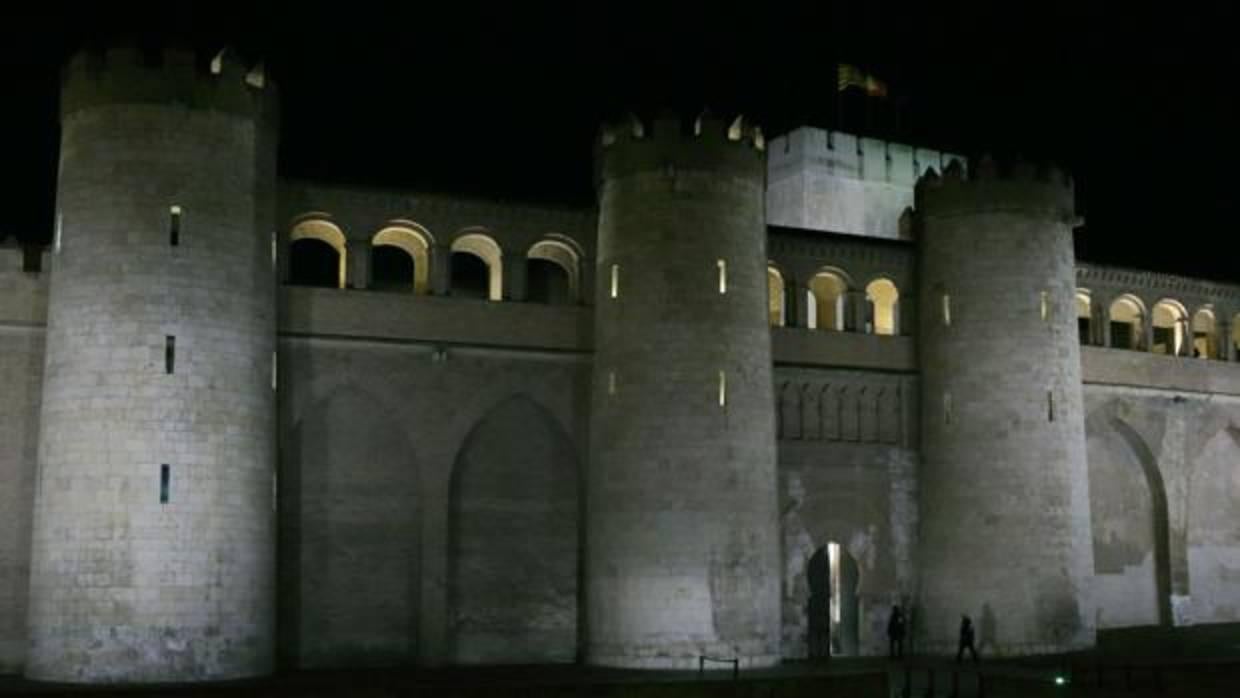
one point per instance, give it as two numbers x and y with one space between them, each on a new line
349 536
1129 520
513 540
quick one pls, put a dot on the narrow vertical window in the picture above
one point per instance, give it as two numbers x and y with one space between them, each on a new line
723 389
275 491
723 275
1050 405
275 370
615 281
611 382
174 226
165 482
170 354
1046 306
947 408
60 222
947 310
274 256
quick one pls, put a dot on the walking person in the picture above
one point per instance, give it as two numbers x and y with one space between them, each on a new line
895 632
966 639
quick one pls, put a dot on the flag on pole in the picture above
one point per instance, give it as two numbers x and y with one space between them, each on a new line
851 76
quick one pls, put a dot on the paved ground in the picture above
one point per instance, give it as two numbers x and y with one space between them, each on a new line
1201 662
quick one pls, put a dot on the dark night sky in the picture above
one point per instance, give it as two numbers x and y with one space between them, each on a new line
504 98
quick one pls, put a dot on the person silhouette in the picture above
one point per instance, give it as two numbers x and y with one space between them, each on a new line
966 639
895 632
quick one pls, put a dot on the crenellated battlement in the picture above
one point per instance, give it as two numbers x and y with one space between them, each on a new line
15 258
840 154
989 184
670 142
669 126
171 76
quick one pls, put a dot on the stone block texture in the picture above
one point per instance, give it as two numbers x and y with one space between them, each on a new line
137 576
637 478
21 374
682 534
1004 486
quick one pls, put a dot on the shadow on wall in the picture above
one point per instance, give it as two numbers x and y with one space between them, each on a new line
513 540
1129 520
350 537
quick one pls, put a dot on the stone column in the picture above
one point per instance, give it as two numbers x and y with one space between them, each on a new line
284 251
441 269
358 269
585 282
1104 324
1099 328
514 277
1226 349
854 311
798 309
1147 331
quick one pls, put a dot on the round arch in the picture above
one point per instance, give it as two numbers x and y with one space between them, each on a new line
1127 321
324 231
1170 324
1205 340
484 247
826 298
1084 315
416 241
883 299
563 255
776 301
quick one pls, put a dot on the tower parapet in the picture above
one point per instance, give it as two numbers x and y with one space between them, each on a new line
705 143
839 182
152 555
1005 492
682 510
171 76
992 185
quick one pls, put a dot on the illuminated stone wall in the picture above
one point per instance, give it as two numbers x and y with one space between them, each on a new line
138 576
23 302
435 452
429 502
848 475
1165 494
1004 485
841 183
683 546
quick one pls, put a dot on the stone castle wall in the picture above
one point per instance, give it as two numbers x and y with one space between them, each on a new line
23 307
152 554
1004 492
403 419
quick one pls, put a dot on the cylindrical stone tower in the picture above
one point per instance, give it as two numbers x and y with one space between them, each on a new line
1005 532
153 540
683 551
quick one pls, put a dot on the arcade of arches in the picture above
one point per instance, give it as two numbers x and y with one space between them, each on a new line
405 257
